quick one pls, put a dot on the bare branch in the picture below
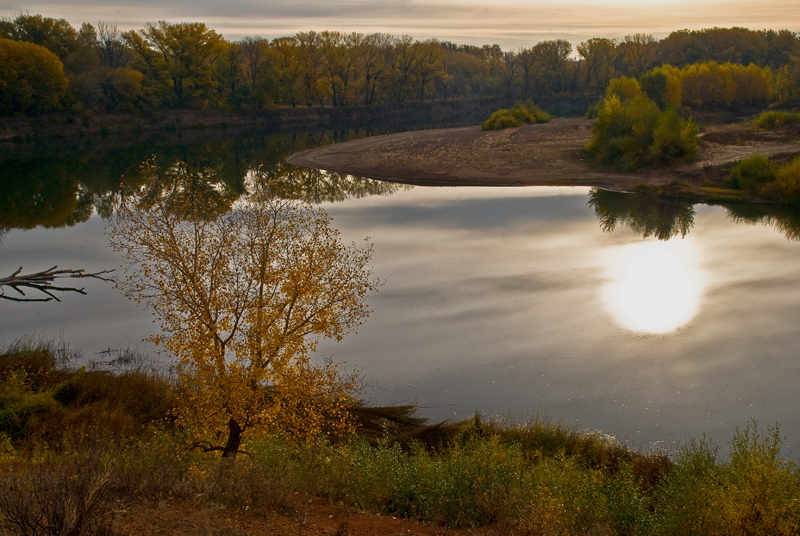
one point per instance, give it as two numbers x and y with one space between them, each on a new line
43 282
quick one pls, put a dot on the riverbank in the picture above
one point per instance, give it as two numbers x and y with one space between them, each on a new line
279 120
547 154
89 449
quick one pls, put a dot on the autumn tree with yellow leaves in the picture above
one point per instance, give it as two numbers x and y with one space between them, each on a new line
243 300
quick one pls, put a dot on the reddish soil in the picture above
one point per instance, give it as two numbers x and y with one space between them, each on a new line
548 154
319 518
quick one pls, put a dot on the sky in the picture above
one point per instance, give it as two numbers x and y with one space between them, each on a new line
510 23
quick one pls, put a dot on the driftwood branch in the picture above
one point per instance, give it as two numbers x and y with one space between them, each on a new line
43 283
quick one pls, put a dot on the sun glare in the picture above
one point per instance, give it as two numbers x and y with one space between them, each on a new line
654 287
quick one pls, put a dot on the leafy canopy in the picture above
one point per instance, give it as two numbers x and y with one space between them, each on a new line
632 130
243 299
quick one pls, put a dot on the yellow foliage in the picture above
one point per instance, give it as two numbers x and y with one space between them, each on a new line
709 85
31 78
243 299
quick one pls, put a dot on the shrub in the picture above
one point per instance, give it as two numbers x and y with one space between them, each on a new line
631 130
65 498
754 492
674 138
751 174
518 115
788 178
501 119
775 119
19 404
622 133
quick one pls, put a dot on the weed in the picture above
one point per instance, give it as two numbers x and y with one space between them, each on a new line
65 498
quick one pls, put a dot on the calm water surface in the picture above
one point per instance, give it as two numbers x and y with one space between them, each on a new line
517 301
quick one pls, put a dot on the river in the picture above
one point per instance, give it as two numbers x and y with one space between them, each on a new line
648 321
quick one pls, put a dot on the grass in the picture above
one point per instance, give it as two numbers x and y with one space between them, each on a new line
534 477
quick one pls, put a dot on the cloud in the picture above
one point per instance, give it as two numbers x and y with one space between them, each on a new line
511 24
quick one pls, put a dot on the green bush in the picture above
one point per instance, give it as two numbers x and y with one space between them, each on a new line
622 133
755 492
751 174
631 130
775 119
759 176
19 404
674 138
788 178
518 115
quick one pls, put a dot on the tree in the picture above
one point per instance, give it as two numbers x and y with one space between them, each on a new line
31 78
187 53
639 52
289 70
599 55
376 62
309 50
552 58
243 300
56 35
111 46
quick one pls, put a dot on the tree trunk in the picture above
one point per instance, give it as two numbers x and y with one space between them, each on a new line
234 439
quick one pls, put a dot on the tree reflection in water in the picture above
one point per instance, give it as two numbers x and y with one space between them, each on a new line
644 214
316 186
51 199
61 184
784 219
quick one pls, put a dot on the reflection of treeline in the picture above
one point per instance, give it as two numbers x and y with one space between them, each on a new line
784 219
67 187
188 65
644 214
656 216
317 186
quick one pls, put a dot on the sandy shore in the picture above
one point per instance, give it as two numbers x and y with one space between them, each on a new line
548 154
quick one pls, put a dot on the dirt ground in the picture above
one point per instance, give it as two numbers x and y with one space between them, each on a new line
547 154
318 518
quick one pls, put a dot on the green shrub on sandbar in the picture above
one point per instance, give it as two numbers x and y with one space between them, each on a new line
632 130
788 178
758 176
776 119
752 173
518 115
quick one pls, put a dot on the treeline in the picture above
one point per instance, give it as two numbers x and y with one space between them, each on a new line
47 65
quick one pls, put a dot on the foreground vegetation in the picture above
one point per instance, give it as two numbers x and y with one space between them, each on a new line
81 446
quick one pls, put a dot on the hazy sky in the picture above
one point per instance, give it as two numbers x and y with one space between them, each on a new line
510 23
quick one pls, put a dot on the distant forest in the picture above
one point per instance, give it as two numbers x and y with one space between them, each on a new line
46 65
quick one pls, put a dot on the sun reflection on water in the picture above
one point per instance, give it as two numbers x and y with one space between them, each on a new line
655 286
